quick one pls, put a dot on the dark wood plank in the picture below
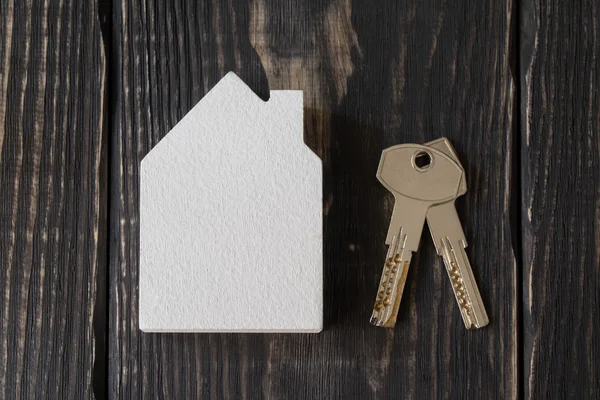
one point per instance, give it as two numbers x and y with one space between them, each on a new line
52 198
560 111
403 71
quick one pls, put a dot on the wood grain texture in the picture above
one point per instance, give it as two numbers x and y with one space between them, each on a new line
560 110
404 71
52 198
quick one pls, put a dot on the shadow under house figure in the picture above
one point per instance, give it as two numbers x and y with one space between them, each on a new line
231 236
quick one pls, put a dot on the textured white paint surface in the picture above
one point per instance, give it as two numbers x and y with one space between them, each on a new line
231 219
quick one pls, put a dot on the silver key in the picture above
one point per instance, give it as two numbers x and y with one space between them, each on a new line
419 177
450 243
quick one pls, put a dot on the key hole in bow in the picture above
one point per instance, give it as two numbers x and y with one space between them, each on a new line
422 160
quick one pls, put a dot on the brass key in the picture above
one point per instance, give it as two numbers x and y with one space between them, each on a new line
450 243
419 177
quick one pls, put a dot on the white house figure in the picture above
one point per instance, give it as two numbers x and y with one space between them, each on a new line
231 219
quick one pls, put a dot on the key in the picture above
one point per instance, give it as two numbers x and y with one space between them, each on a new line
419 177
450 243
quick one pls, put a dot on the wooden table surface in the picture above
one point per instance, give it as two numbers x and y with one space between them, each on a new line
88 87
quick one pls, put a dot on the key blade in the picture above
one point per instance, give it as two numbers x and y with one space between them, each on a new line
450 244
405 232
393 279
463 284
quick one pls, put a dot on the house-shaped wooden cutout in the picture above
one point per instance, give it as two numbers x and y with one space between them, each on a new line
231 219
